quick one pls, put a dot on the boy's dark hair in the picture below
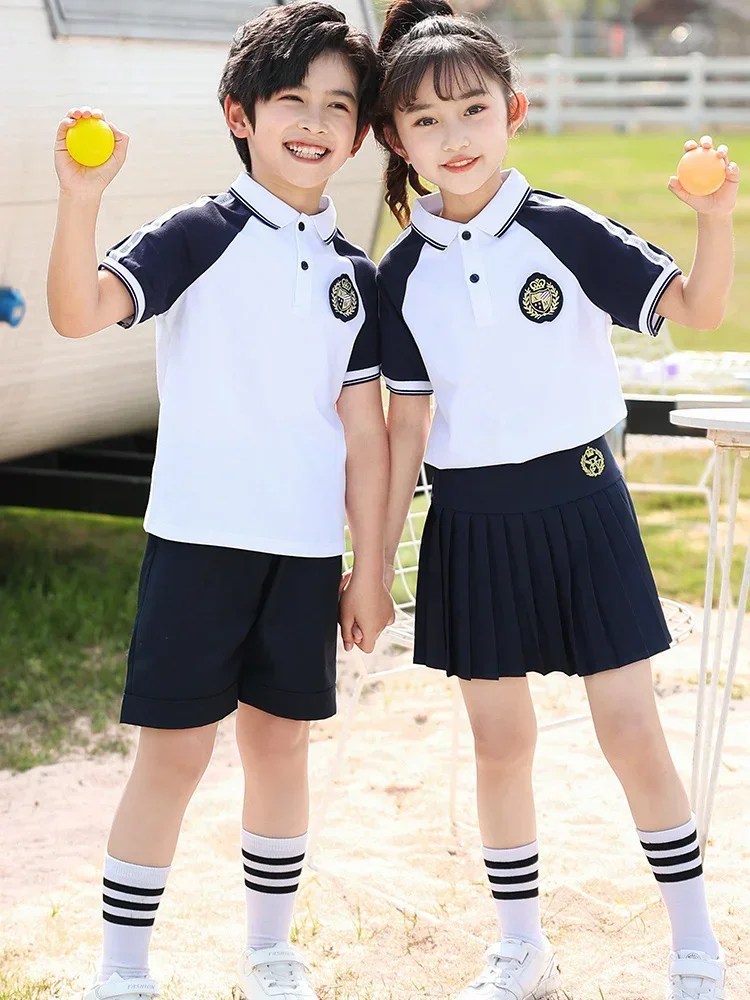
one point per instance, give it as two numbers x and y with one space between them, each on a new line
273 52
426 36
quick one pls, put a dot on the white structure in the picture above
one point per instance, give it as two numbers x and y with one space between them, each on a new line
56 392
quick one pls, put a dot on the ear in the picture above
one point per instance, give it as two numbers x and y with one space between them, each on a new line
391 137
359 140
236 118
517 113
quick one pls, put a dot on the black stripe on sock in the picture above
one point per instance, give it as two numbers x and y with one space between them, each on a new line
271 888
528 894
679 876
513 879
676 859
671 845
521 863
114 918
123 904
260 874
132 889
273 861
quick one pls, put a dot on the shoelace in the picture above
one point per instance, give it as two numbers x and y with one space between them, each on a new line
703 992
286 975
501 974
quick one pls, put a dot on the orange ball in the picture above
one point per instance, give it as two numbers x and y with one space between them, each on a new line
701 171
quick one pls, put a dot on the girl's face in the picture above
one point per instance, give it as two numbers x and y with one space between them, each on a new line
459 144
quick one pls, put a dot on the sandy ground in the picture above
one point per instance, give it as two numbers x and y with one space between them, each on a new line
387 835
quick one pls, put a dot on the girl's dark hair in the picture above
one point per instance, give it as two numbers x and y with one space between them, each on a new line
419 35
273 52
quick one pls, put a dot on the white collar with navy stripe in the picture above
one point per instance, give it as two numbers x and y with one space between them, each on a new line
494 219
274 212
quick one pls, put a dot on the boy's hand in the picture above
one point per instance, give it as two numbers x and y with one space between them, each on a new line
73 176
365 608
721 202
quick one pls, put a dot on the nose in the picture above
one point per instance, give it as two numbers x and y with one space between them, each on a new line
455 140
311 120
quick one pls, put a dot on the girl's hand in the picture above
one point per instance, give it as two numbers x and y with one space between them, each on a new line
73 176
721 202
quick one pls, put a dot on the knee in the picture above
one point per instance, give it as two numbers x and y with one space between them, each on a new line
504 745
177 758
271 739
631 741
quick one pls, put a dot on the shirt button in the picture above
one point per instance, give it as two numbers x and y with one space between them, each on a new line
466 235
301 226
474 278
304 265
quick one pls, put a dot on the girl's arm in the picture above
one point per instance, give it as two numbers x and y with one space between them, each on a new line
699 300
366 607
408 427
81 299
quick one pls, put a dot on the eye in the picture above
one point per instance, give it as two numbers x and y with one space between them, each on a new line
475 109
291 97
341 107
425 121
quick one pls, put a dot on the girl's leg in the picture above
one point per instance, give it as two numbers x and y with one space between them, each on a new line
274 820
168 766
630 734
504 726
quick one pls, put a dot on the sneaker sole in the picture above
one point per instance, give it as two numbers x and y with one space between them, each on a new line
547 988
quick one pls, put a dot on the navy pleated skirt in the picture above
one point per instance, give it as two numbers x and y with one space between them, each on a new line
537 567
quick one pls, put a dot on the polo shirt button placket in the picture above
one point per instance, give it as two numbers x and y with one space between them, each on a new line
476 279
305 253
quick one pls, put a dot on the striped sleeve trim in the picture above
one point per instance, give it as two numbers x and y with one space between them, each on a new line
650 321
133 286
409 388
363 375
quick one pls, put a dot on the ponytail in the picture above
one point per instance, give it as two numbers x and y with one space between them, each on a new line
397 174
402 15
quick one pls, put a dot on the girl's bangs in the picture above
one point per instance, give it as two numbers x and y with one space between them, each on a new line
456 70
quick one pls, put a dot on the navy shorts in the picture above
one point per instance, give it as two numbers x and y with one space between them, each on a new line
216 626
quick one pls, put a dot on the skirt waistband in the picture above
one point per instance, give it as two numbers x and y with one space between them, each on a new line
547 481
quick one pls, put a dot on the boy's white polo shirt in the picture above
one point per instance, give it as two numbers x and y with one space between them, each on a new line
508 319
263 315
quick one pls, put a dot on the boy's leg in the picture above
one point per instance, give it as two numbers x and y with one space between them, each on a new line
274 820
630 734
168 766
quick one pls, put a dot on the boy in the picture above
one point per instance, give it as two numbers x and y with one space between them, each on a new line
268 376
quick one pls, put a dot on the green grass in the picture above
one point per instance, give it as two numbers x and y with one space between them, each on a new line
625 177
67 597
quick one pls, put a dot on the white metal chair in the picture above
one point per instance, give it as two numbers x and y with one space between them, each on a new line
679 619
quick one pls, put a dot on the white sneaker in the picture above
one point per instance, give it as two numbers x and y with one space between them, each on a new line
515 970
116 987
695 976
274 972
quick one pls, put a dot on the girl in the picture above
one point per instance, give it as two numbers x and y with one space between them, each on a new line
500 300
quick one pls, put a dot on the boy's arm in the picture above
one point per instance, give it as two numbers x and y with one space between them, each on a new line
81 299
699 299
408 429
365 603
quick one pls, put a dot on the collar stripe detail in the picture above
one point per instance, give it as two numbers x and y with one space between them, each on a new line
427 239
512 218
253 211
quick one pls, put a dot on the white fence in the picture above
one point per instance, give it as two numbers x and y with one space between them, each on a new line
692 92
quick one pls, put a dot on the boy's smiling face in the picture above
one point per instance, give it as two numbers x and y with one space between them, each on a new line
303 135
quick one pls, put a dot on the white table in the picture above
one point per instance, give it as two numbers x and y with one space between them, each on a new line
729 429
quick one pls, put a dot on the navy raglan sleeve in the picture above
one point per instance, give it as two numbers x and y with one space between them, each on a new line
155 263
403 368
364 363
621 273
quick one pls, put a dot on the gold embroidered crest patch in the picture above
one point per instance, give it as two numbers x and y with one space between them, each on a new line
343 298
592 462
541 298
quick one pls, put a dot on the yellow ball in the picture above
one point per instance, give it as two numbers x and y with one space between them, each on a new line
90 142
701 171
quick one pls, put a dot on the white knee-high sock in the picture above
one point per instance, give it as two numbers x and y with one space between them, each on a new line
675 859
513 874
272 872
132 894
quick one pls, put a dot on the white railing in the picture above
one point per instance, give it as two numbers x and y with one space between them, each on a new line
692 92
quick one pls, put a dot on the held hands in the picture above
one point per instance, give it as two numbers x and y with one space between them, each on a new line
721 202
74 177
365 608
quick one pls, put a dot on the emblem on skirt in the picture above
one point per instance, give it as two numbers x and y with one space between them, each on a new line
541 298
343 298
592 462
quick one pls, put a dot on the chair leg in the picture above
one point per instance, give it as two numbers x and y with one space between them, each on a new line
319 817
